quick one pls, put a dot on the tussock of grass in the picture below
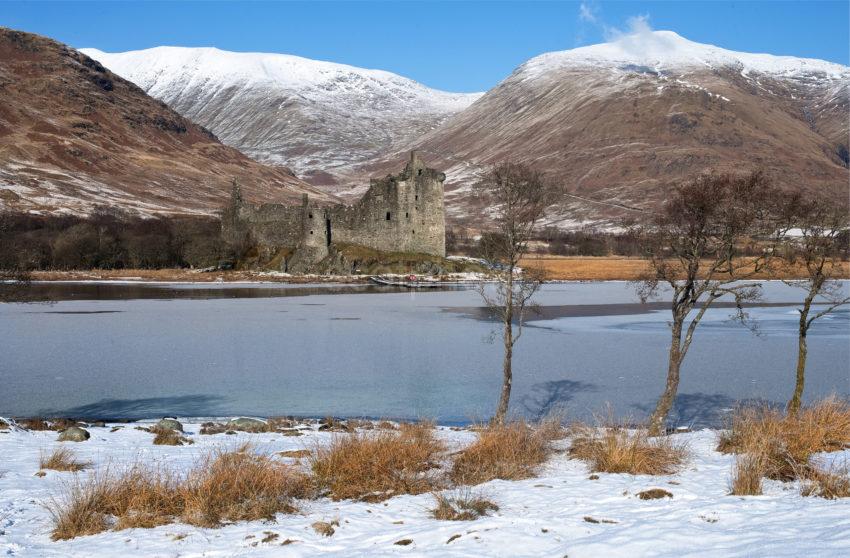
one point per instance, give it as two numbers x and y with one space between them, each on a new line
62 459
787 442
79 512
509 452
165 437
376 465
325 528
616 449
222 486
34 424
462 505
829 483
241 485
747 473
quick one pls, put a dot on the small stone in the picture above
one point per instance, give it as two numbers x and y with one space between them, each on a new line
404 542
246 424
40 474
169 423
74 434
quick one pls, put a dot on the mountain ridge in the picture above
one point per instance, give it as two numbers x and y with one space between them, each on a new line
318 118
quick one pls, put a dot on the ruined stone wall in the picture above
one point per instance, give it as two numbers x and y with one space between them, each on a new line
273 224
399 213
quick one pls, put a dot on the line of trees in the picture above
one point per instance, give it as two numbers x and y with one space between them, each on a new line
107 239
714 238
587 241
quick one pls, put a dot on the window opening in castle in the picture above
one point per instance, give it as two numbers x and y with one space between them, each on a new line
388 215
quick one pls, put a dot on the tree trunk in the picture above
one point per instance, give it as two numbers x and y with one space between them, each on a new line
665 402
802 351
507 379
507 373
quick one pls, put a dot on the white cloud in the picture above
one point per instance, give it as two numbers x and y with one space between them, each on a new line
587 12
636 26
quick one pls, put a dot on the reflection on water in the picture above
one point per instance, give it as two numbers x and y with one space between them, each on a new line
134 351
57 291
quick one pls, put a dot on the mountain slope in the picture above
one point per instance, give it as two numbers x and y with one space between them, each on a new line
318 118
73 135
622 122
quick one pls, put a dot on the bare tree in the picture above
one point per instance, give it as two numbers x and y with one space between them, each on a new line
815 246
517 196
692 246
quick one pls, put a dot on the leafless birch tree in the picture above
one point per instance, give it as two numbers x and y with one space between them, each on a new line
517 197
816 244
691 246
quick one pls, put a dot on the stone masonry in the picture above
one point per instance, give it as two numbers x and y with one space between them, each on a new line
398 213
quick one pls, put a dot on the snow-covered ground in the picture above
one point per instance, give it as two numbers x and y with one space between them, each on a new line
543 516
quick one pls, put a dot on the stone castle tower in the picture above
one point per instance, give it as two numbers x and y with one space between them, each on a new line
398 213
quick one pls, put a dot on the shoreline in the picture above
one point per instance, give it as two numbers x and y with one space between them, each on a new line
557 269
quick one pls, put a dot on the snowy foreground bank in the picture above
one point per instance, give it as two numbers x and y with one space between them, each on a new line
551 515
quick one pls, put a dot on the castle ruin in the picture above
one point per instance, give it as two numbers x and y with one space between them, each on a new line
398 213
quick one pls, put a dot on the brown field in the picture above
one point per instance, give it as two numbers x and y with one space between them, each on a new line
588 268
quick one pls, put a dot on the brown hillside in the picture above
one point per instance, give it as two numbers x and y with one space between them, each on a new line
73 135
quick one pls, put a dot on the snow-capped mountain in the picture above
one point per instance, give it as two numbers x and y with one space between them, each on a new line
317 118
661 51
621 122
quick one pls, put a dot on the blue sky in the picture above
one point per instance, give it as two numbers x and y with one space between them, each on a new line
451 45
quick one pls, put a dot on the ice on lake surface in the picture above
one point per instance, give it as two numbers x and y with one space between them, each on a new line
148 351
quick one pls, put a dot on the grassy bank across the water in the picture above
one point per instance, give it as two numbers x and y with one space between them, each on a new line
614 268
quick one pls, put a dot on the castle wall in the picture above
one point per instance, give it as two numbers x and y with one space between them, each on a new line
399 213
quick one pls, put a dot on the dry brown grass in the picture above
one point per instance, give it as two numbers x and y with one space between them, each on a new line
241 485
461 505
79 511
829 483
165 437
787 442
376 465
223 486
325 528
61 459
747 473
34 424
509 452
590 268
617 449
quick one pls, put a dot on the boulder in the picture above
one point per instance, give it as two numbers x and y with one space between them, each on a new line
169 423
74 434
245 424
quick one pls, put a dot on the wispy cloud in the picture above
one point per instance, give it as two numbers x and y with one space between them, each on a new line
590 15
587 12
635 25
